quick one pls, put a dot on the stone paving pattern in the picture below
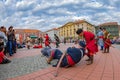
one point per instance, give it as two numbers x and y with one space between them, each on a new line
23 62
21 66
105 67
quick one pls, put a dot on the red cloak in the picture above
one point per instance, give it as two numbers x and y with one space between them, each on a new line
91 43
107 43
47 42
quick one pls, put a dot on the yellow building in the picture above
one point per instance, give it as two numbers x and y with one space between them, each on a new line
69 29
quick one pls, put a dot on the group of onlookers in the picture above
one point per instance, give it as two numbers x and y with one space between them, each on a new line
7 43
104 41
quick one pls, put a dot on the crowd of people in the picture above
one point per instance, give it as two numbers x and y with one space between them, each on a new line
73 54
88 46
7 42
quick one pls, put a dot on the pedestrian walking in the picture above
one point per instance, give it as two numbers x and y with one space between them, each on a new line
57 40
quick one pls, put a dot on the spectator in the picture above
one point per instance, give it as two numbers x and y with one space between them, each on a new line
3 58
10 36
3 37
100 37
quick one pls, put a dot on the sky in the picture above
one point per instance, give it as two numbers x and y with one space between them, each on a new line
47 14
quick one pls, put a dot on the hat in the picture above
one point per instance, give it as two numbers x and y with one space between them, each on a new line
82 44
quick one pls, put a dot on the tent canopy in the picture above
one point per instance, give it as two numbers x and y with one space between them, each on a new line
33 36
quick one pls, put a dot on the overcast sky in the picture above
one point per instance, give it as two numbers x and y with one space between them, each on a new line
47 14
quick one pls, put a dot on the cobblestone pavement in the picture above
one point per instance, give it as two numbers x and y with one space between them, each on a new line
105 67
23 62
30 65
21 66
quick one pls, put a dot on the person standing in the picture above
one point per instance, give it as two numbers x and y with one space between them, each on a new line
107 41
28 42
64 40
57 40
40 40
3 38
107 45
47 40
100 37
91 44
10 36
106 33
14 43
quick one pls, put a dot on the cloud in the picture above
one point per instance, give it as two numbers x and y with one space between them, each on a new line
93 5
81 18
47 14
60 11
25 5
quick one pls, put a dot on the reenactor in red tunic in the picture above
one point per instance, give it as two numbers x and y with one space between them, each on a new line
91 44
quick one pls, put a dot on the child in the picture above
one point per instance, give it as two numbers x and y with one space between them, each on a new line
3 58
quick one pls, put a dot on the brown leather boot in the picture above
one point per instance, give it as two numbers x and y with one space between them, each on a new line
88 58
91 60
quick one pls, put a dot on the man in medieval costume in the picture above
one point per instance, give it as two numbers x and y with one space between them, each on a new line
47 40
91 44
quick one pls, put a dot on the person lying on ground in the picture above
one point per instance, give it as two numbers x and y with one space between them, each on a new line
46 51
73 55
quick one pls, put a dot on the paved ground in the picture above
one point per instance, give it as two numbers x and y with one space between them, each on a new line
29 65
23 62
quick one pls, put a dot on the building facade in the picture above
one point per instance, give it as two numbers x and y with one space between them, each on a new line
111 27
22 34
69 29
